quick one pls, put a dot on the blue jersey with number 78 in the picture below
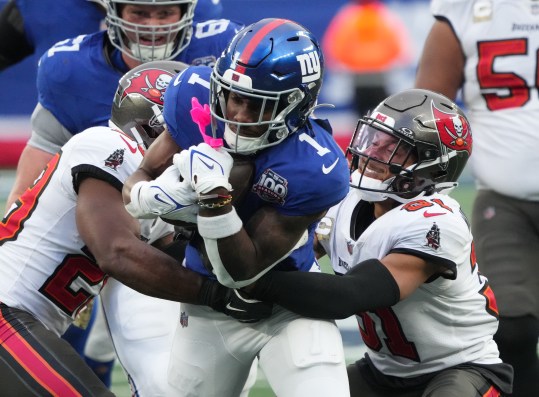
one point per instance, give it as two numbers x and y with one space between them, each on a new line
77 77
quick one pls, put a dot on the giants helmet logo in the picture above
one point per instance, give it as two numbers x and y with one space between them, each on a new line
150 83
453 129
310 66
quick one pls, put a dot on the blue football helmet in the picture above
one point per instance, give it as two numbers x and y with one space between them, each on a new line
172 38
277 64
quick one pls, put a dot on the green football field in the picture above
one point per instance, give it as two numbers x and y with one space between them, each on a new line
464 193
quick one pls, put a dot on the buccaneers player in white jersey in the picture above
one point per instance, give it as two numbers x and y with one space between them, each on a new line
489 50
69 234
425 312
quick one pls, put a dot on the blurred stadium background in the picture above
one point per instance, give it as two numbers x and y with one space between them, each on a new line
19 98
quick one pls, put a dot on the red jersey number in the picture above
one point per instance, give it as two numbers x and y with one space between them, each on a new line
394 339
518 89
68 286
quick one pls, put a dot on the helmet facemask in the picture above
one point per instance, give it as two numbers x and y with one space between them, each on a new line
146 43
383 161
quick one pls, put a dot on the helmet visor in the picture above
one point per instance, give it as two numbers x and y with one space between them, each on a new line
377 145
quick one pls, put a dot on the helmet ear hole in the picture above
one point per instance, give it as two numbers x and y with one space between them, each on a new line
403 184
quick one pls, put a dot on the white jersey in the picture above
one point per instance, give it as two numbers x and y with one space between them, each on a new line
500 40
448 320
45 268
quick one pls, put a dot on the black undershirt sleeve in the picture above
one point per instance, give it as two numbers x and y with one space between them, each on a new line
367 286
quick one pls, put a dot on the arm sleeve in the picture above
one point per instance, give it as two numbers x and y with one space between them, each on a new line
48 133
367 286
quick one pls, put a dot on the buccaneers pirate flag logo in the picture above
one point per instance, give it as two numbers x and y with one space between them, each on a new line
453 129
151 83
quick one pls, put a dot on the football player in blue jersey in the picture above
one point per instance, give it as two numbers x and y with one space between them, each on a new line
24 31
262 92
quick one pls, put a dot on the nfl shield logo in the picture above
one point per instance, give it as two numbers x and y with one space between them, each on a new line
184 319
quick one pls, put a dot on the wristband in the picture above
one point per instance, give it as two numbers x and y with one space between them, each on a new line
220 226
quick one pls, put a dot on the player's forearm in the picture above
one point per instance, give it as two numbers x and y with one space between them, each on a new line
368 286
151 272
239 253
236 258
31 163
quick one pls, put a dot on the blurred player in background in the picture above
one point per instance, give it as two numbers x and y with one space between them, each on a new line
489 50
425 312
84 236
24 31
262 93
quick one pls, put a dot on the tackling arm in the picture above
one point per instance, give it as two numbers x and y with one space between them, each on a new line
370 285
240 254
112 236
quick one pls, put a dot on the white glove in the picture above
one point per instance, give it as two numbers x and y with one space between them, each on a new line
166 196
207 168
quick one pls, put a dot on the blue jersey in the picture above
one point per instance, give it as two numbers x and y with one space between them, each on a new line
77 79
315 182
208 9
49 21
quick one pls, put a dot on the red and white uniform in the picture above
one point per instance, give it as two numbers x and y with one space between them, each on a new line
500 41
447 321
46 270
